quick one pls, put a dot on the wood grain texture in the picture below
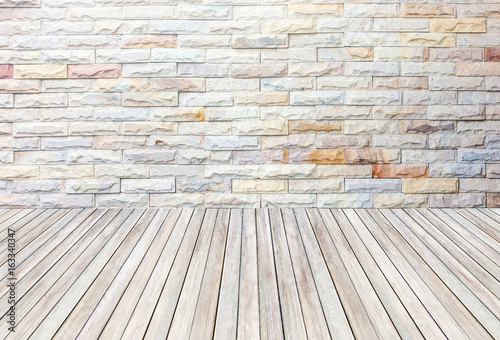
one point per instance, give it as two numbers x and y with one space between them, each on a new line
227 274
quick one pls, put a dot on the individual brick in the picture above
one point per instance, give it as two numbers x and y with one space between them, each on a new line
121 170
260 98
284 26
259 70
400 171
425 126
371 156
492 200
453 141
40 71
372 185
260 41
36 186
141 156
122 200
313 126
457 200
149 70
456 112
329 24
177 84
428 39
456 170
92 186
288 142
481 185
204 41
19 86
370 10
427 156
384 53
370 127
399 112
259 186
203 70
320 156
288 200
458 25
316 98
478 69
395 200
315 69
372 39
343 83
6 100
372 69
285 84
259 128
345 200
18 172
203 185
18 201
149 99
338 170
401 25
6 71
184 55
492 54
479 40
478 10
327 141
286 171
308 10
206 99
427 10
309 186
456 54
429 185
234 172
147 185
260 157
232 200
177 171
316 40
94 71
189 11
400 83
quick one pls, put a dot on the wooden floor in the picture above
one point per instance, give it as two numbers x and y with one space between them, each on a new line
232 273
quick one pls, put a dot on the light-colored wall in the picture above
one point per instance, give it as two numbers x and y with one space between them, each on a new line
249 103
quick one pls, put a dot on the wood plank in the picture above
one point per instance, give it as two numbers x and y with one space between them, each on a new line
47 297
470 232
271 326
371 301
398 249
140 263
471 252
493 213
401 221
332 307
33 229
3 211
131 250
428 313
162 303
129 229
47 271
145 287
398 306
206 309
357 316
186 305
227 310
14 215
460 263
481 221
291 313
312 311
23 224
248 312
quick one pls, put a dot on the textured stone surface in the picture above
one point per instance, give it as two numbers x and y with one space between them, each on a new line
246 103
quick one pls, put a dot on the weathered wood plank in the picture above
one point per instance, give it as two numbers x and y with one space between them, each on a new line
226 323
271 326
248 312
397 248
293 322
408 228
145 287
206 309
312 311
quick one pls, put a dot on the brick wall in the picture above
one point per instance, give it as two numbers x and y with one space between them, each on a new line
249 103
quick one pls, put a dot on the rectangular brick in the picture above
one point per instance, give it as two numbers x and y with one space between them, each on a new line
95 71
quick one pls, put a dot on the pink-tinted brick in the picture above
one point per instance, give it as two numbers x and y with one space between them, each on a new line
492 54
6 71
95 71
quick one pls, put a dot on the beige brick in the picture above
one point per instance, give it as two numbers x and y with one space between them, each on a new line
428 39
457 25
429 185
258 186
40 71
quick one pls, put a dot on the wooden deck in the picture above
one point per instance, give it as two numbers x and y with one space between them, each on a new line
250 274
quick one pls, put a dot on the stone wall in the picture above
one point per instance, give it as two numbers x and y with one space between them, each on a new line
249 103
